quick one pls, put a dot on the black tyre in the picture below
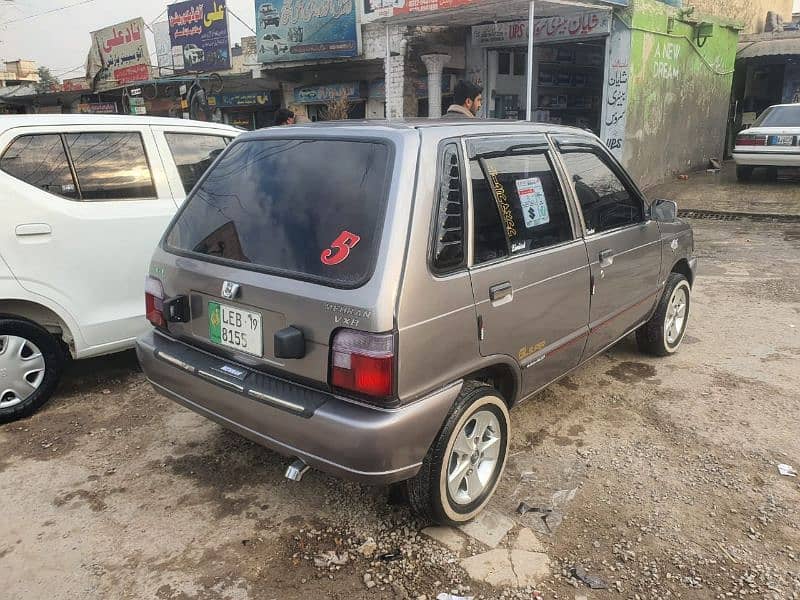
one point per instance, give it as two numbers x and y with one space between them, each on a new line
461 471
663 333
744 173
31 362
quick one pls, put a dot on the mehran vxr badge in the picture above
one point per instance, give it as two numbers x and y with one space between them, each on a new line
230 290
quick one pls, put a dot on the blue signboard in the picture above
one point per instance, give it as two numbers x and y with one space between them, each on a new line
320 94
289 30
198 32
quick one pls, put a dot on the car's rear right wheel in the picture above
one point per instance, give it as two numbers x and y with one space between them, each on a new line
744 173
463 466
31 362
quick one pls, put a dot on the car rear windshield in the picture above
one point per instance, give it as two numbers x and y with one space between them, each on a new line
304 208
780 116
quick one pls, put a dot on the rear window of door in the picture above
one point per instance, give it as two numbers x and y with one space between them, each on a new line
111 166
606 201
40 160
518 203
193 154
304 208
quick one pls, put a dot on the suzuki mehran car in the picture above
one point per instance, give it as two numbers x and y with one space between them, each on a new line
373 299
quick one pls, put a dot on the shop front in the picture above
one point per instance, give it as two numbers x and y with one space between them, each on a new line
333 101
569 67
248 110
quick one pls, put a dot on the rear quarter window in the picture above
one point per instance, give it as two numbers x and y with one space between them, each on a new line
303 208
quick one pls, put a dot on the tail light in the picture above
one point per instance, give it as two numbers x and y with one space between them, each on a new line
751 140
363 362
154 301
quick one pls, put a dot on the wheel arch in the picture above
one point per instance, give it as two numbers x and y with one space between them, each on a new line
682 267
41 315
501 376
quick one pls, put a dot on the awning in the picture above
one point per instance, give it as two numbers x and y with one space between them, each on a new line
465 13
773 47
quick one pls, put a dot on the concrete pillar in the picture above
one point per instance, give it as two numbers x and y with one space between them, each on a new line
394 67
435 63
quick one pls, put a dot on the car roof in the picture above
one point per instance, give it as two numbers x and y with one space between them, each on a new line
443 127
12 121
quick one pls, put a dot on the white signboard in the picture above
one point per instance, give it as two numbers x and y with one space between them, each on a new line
560 28
615 94
163 48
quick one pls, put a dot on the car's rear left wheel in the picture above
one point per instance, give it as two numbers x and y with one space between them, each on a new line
31 362
463 467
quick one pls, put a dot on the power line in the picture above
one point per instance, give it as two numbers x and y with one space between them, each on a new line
235 16
47 12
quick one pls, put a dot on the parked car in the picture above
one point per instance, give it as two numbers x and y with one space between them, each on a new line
773 141
372 300
84 198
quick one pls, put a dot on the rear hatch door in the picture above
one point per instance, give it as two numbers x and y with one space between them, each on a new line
287 232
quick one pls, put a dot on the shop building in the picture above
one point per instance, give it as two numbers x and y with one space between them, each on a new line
653 81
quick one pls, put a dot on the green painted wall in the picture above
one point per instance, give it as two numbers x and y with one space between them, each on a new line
678 93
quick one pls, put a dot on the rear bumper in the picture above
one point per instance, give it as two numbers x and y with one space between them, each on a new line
343 438
767 159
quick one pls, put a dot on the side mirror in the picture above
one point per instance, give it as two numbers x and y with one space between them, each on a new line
665 211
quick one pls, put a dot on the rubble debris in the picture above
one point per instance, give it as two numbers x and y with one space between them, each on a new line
593 581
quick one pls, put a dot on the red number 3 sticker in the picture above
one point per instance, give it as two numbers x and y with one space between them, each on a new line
340 249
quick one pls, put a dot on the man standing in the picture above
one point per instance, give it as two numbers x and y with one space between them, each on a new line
468 99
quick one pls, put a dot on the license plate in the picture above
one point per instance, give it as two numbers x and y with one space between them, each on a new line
235 328
781 140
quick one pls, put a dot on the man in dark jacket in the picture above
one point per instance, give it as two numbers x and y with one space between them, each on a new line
468 99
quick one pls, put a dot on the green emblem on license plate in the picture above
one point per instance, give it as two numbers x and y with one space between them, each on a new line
214 323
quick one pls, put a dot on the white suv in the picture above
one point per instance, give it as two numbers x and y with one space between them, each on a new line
84 200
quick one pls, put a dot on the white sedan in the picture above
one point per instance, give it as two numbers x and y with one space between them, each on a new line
773 141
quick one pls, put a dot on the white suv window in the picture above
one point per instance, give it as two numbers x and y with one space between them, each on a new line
193 154
40 161
111 166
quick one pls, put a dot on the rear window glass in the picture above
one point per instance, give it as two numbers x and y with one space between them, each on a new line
780 116
310 209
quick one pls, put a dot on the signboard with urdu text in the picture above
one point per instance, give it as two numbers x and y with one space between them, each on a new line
198 32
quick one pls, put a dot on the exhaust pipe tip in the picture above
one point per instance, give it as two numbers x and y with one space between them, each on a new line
296 470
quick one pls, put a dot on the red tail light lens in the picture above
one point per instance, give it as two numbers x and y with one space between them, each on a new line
751 140
363 362
154 302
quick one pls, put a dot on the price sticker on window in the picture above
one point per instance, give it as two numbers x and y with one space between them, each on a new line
533 202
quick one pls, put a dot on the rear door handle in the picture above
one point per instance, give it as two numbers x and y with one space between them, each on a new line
27 229
501 291
606 258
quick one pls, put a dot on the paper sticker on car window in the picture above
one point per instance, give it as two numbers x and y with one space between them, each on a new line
534 205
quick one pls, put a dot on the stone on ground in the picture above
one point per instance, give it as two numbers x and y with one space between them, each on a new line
488 528
527 540
492 567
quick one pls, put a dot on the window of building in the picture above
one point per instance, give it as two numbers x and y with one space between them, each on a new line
193 154
504 63
111 166
40 160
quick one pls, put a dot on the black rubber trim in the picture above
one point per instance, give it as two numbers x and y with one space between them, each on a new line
239 379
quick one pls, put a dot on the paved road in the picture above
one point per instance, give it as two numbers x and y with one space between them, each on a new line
662 474
721 192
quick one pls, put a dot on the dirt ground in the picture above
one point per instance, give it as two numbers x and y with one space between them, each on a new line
661 474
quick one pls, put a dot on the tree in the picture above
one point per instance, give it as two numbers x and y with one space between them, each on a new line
47 82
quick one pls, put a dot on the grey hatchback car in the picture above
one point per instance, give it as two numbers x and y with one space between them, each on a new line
371 299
